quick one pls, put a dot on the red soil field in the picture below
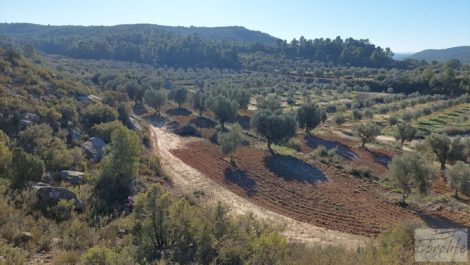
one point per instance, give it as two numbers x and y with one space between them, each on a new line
317 194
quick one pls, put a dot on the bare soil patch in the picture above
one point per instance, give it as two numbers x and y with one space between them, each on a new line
188 181
316 194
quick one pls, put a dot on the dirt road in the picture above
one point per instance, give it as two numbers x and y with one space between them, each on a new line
190 182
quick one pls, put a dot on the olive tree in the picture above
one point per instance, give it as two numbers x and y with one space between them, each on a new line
367 132
309 116
179 95
445 149
405 132
156 99
198 101
230 141
458 175
224 109
271 102
411 171
276 126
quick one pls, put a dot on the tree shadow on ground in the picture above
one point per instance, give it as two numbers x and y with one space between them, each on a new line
139 109
178 112
157 120
291 168
342 150
244 122
439 222
203 122
380 158
241 179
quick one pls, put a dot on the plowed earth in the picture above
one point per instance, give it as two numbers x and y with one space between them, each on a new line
316 194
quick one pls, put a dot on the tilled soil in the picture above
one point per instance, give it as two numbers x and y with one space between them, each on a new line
349 151
318 194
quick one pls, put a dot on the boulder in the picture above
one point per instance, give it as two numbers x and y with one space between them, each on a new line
72 177
26 120
74 137
30 116
88 98
23 238
23 124
134 124
94 148
52 195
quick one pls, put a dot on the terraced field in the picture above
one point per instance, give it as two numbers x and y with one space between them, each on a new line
455 120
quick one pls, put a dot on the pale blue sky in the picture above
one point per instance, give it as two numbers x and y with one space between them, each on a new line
402 25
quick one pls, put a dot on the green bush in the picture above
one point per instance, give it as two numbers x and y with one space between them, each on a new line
99 256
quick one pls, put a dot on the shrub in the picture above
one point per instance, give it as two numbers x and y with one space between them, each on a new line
230 141
294 144
340 119
98 113
105 130
66 257
25 167
99 256
356 115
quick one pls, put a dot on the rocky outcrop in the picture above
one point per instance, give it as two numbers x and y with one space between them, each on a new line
26 120
52 195
94 148
134 124
74 137
71 177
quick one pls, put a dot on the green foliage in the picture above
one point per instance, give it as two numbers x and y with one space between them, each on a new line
309 116
440 146
99 256
98 113
198 101
271 103
119 168
367 132
155 98
276 127
105 130
392 120
24 168
340 119
5 155
179 95
356 115
405 132
269 248
230 141
224 109
411 170
458 176
11 255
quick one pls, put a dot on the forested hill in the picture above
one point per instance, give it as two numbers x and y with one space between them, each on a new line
189 47
233 33
461 53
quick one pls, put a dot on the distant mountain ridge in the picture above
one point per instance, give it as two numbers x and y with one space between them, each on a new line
229 33
461 53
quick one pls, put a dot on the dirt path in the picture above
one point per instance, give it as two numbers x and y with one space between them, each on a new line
188 181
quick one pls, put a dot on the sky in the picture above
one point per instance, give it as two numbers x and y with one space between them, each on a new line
402 25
